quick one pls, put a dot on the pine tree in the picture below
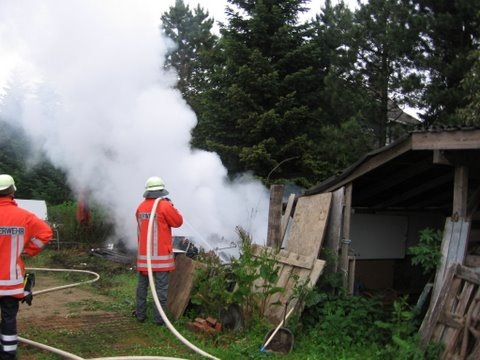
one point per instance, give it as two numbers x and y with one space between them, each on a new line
450 39
386 37
191 33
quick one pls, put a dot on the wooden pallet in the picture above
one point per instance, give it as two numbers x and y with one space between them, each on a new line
454 245
454 318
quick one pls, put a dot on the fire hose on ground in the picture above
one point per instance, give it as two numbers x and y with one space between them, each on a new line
169 325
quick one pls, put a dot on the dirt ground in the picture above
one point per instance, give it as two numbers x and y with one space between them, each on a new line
58 308
74 311
70 310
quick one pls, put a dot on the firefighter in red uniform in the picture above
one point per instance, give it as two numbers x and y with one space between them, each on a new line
21 233
162 256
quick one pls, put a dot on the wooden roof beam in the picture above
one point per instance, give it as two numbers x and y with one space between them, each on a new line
446 140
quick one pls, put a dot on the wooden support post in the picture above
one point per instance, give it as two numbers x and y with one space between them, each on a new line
347 210
275 217
460 192
351 275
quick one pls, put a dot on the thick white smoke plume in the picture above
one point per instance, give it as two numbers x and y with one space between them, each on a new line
94 98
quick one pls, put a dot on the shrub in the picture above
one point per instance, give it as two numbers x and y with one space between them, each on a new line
246 281
69 232
344 320
427 253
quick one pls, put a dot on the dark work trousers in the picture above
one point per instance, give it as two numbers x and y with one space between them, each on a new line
161 285
8 335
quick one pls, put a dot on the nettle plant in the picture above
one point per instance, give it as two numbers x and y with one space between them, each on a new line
427 254
247 281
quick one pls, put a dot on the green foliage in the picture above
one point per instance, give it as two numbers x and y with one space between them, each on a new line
194 42
341 322
246 281
402 327
450 29
34 176
345 320
427 253
471 85
70 232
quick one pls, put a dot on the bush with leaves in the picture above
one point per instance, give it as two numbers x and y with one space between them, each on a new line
345 320
427 254
247 281
69 231
402 327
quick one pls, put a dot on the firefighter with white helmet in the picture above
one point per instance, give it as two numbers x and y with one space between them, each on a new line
21 233
162 256
155 183
7 184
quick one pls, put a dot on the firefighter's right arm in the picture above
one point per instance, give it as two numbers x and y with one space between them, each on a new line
40 234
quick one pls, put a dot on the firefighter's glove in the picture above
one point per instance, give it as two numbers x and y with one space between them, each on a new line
28 284
28 299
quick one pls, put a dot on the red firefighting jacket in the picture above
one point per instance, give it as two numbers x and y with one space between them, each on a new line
21 232
167 216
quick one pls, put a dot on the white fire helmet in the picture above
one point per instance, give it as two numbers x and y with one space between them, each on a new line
6 181
154 183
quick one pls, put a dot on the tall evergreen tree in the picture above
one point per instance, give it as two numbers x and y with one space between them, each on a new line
263 113
191 32
469 114
451 36
341 96
386 36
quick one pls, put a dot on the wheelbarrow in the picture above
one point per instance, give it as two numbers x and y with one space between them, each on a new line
280 339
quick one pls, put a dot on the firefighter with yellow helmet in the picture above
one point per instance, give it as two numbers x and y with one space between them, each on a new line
21 233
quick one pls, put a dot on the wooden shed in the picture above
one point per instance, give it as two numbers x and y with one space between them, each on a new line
428 178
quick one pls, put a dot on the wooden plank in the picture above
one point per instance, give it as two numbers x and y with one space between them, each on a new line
284 256
289 279
292 272
309 224
287 215
317 270
334 227
445 140
451 320
428 325
454 243
469 275
472 261
180 285
275 216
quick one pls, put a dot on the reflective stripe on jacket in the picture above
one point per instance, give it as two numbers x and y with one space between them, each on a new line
21 232
167 216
